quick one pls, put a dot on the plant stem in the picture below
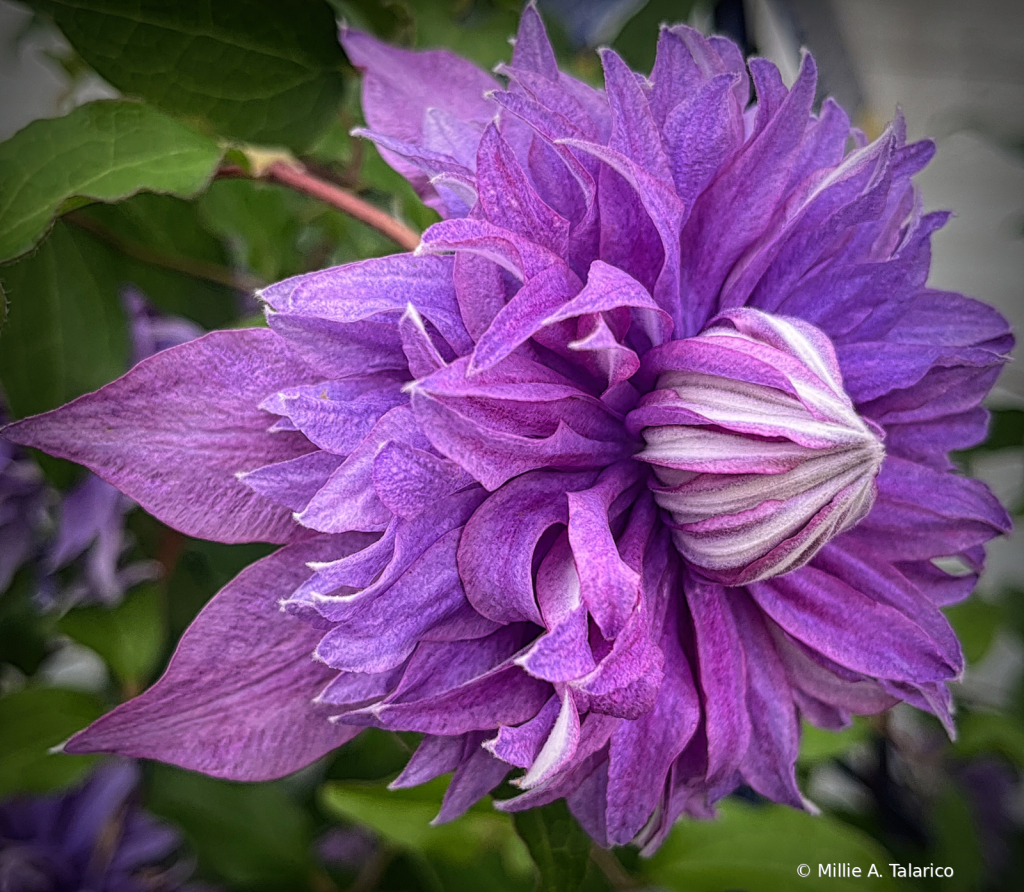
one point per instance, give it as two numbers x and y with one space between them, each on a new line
301 180
616 875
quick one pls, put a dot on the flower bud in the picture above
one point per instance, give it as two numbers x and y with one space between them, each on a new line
759 455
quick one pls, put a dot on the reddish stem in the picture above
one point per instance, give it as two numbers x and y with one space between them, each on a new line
303 181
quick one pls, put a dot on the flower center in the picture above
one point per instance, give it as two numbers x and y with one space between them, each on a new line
759 456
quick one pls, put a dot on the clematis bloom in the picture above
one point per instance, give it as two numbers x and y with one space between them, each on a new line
94 837
638 460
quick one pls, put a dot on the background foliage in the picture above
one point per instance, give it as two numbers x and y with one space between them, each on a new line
129 191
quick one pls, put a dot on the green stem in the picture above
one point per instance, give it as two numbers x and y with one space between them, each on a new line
301 180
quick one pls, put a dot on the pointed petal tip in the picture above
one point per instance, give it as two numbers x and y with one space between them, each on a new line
809 806
60 749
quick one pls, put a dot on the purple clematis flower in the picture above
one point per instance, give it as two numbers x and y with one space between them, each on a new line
92 838
637 461
89 527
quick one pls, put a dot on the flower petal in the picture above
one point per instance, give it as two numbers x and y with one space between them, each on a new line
237 698
174 433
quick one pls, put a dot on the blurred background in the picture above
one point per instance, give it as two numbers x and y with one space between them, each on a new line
956 68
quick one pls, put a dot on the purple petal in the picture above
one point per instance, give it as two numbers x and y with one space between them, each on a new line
723 684
504 696
400 86
508 199
85 511
610 587
378 289
237 698
174 433
532 49
770 760
408 480
497 549
519 746
643 750
559 748
833 617
294 482
563 654
475 778
433 757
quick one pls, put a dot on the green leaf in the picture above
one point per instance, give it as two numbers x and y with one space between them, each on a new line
559 846
130 637
3 308
762 848
375 755
955 841
105 151
66 332
638 40
162 246
989 732
249 835
391 20
476 31
1006 429
262 223
254 70
26 634
817 744
975 622
403 818
1012 603
31 722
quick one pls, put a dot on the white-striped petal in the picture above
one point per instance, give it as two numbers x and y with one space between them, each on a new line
762 478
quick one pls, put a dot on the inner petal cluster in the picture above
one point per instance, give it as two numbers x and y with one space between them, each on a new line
759 456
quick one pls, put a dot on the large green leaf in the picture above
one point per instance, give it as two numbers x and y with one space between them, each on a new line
257 70
976 623
65 334
129 637
763 848
559 846
403 817
105 151
253 836
990 732
31 722
818 745
161 245
262 222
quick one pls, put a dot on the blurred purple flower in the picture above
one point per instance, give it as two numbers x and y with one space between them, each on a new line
349 848
92 838
638 460
990 785
90 518
23 504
